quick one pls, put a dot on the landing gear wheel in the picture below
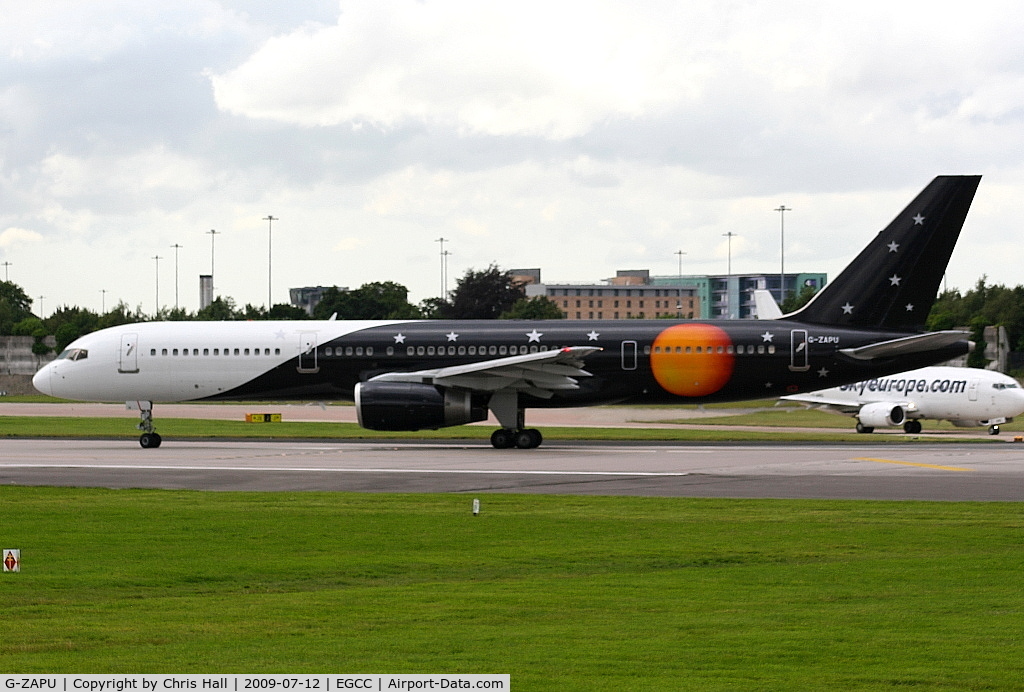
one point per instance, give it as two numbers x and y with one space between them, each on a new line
528 439
150 440
861 428
502 439
993 430
912 426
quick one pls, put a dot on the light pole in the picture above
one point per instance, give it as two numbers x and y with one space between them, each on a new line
444 268
176 248
103 301
728 278
41 306
679 291
212 233
157 258
730 235
6 275
270 219
782 209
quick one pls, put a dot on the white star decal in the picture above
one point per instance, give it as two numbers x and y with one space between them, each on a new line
894 246
823 372
847 309
452 336
910 307
894 280
918 220
592 336
534 336
767 337
399 338
279 334
767 385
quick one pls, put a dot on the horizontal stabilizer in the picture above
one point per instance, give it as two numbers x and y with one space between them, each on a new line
917 343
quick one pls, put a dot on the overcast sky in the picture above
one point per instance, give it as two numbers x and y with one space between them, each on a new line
578 137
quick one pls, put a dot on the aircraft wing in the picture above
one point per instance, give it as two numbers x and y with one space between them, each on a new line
842 405
540 374
822 399
905 345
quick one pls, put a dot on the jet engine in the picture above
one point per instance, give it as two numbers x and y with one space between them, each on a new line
412 406
881 413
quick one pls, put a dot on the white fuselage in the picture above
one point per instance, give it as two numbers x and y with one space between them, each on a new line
965 396
183 361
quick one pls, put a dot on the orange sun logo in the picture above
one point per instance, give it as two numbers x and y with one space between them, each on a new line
692 359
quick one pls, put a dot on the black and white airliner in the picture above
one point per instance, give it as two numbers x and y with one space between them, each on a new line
425 374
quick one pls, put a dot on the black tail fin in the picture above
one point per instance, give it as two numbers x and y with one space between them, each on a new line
893 282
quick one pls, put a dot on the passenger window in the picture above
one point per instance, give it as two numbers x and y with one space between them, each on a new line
390 351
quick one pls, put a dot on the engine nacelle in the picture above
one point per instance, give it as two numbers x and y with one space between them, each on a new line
411 406
881 414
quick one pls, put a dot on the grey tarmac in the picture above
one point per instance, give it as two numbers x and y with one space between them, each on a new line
950 471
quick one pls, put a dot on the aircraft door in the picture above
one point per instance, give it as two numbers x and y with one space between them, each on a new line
128 356
307 353
629 355
972 390
798 356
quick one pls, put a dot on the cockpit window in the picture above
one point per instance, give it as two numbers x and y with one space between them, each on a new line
74 354
1001 385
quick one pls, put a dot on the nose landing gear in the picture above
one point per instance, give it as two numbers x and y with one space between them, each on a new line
149 439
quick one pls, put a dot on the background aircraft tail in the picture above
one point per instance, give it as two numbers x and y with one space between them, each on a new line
893 282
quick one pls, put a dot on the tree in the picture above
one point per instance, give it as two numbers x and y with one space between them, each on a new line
539 308
434 308
484 295
14 306
795 302
220 309
382 300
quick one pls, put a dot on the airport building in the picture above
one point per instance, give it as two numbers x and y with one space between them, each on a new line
635 294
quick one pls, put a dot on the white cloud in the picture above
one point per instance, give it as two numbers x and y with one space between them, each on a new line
13 237
532 68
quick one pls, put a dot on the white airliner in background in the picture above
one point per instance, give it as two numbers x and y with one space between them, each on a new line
966 397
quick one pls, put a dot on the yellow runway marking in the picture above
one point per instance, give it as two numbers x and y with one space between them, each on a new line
911 463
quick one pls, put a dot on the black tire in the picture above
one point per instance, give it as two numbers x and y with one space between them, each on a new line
993 430
502 439
912 427
523 439
150 440
861 428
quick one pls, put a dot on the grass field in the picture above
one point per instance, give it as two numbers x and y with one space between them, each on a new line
563 593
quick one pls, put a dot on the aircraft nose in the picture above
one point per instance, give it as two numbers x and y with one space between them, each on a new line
41 380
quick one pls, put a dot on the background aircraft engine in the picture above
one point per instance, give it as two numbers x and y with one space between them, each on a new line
410 406
881 413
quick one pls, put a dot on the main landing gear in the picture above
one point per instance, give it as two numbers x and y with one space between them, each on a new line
504 438
513 432
149 439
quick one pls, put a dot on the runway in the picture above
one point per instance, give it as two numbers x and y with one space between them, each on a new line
949 472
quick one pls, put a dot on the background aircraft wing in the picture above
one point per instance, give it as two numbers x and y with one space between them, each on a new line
540 374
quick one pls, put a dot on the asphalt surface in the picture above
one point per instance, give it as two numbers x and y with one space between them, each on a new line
988 469
949 471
